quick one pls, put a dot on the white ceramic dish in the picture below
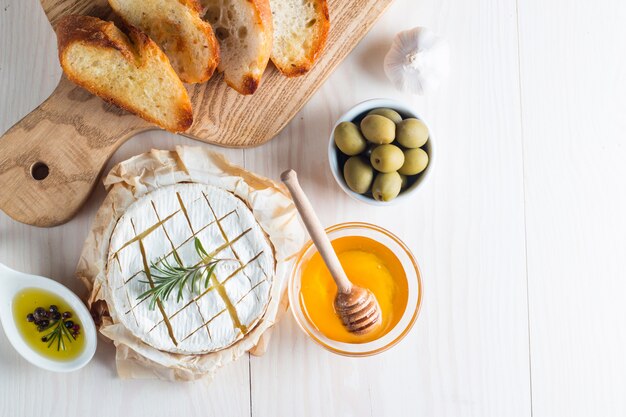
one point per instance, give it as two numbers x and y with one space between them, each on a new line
11 283
357 113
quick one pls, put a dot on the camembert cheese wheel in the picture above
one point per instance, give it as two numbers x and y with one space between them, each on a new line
164 225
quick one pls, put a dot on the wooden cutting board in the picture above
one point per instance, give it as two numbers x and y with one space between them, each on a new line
51 160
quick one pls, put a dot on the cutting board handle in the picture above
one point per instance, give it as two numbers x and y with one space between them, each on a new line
51 159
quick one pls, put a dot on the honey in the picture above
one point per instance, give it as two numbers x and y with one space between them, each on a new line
368 264
24 303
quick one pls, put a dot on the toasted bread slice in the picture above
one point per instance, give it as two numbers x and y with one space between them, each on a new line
176 26
300 31
244 32
131 73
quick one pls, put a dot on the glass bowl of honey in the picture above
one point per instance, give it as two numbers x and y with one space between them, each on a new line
372 258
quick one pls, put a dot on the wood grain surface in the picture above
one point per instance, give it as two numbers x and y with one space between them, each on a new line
79 133
575 175
74 146
519 232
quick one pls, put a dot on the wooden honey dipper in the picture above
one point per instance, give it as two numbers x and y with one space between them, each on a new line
357 307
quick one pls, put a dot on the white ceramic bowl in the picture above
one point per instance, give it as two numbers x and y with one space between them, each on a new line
11 283
355 114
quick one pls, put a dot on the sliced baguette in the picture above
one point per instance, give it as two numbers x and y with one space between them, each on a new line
176 26
131 73
244 32
300 31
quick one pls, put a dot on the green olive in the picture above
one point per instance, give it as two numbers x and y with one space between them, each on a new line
390 114
387 186
415 161
358 174
378 129
412 133
349 139
387 158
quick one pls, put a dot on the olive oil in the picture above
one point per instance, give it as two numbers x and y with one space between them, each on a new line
368 264
24 303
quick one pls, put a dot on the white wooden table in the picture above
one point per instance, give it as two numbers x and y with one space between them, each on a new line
521 234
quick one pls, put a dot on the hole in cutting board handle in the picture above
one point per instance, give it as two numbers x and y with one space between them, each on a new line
39 171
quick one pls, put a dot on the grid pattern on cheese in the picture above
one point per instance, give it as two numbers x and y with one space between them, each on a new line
163 225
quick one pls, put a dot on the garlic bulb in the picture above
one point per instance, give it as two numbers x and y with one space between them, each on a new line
418 61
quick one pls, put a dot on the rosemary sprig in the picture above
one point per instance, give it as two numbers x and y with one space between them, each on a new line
168 277
59 334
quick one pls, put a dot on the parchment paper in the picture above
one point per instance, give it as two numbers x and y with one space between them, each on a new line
132 179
